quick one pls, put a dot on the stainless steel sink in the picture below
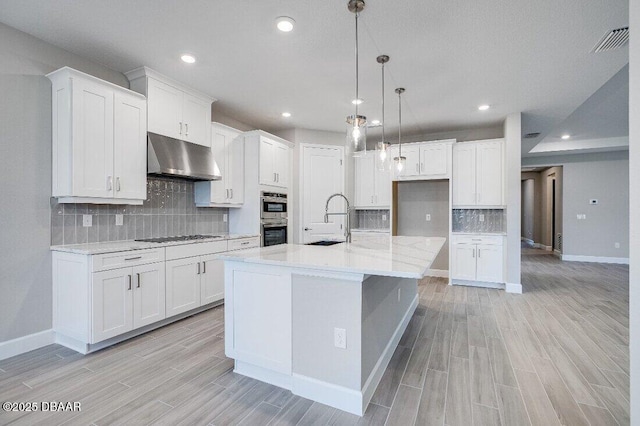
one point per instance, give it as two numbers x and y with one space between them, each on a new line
324 243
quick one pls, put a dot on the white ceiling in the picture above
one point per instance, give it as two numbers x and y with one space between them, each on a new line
522 55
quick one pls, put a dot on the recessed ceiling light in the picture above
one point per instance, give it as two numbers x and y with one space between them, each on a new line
375 122
285 24
286 114
357 101
565 136
484 107
189 59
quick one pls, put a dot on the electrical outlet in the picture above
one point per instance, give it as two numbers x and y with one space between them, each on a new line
87 220
399 293
428 217
617 245
224 217
119 220
340 338
481 217
384 217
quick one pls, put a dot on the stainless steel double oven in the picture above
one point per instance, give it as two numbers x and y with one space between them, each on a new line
273 218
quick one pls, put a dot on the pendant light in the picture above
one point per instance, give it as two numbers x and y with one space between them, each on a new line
400 160
357 124
382 147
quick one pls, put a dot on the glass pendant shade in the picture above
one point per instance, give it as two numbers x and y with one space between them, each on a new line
382 156
357 134
400 163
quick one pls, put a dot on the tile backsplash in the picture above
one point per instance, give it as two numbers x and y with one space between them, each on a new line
168 210
479 220
371 219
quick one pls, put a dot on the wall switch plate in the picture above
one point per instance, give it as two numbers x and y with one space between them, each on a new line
428 217
87 220
119 220
224 217
384 217
593 201
582 216
481 217
617 245
340 338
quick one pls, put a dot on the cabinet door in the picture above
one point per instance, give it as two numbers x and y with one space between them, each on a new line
490 263
130 147
412 165
382 179
364 184
196 117
235 168
148 294
489 173
433 160
183 285
112 306
267 152
92 140
463 259
464 175
164 103
281 163
212 280
219 141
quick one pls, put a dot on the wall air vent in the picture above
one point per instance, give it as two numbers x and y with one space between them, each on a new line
612 40
531 135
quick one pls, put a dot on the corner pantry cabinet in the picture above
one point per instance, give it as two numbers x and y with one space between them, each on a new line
227 146
174 110
372 186
478 174
99 140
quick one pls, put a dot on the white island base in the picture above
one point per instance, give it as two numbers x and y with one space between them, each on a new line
285 320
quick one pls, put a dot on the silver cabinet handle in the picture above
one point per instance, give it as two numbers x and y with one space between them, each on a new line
274 177
181 127
204 267
474 253
118 183
138 279
198 268
129 281
231 193
372 199
109 183
133 258
479 253
227 197
186 126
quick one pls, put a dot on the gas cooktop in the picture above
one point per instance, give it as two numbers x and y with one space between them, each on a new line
177 238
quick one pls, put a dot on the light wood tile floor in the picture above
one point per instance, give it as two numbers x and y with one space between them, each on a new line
557 354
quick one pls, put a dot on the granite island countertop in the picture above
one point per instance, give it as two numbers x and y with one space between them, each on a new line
404 257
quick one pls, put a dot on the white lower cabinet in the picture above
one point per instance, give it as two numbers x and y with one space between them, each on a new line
477 258
212 280
183 285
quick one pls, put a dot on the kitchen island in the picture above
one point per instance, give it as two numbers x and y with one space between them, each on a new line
323 321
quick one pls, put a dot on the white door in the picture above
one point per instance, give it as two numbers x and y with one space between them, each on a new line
281 163
219 140
183 285
196 116
92 140
148 294
382 193
112 309
364 166
130 147
463 259
489 173
164 103
212 280
267 152
412 165
464 175
490 263
235 168
433 159
322 175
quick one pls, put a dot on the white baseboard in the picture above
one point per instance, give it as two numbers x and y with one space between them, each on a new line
595 259
482 284
440 273
542 246
513 288
26 343
557 253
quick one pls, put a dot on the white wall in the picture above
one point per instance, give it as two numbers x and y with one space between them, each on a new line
513 144
25 172
634 197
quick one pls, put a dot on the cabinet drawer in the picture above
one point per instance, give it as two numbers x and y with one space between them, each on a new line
123 259
244 243
195 249
477 239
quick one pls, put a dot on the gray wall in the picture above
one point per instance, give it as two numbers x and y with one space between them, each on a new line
607 222
528 197
415 200
25 171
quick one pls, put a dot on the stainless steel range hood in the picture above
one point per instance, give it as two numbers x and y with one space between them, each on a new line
175 157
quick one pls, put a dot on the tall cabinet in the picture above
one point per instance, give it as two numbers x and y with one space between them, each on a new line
99 140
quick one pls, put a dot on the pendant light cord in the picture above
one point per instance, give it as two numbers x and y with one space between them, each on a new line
357 67
383 138
400 124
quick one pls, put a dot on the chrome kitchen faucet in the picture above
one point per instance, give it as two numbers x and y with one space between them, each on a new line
347 231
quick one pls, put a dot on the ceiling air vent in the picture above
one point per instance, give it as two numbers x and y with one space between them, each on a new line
532 135
613 40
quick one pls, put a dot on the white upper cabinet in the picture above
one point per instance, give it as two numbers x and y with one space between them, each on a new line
99 140
425 160
227 146
174 110
478 174
274 163
372 186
